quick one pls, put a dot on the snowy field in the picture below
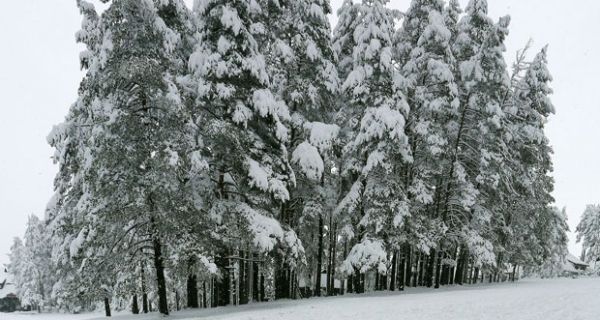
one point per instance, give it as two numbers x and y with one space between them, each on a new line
561 299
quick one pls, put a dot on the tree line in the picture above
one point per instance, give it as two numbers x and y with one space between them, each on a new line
244 151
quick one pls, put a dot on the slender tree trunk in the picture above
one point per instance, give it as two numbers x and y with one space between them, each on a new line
438 269
163 306
514 271
144 292
350 281
107 307
431 268
423 263
319 258
402 273
135 309
445 272
192 291
333 257
343 282
394 271
408 266
329 285
250 284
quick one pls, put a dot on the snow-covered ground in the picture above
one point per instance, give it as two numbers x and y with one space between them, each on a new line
560 299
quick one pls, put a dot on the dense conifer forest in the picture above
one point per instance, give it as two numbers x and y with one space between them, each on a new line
246 150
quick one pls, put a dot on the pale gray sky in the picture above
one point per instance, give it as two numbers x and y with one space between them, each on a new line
39 77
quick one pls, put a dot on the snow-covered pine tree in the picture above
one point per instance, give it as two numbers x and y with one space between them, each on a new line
125 143
376 108
552 231
343 45
424 50
588 232
301 63
343 37
451 14
476 134
245 128
528 111
31 267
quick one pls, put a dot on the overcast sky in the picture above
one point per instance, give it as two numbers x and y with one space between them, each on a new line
39 76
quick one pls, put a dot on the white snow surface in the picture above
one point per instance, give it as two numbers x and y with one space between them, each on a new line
557 299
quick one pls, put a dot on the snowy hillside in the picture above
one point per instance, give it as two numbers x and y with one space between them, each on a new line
559 299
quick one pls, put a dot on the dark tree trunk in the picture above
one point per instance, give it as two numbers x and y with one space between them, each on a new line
281 279
242 297
408 266
256 284
319 258
414 269
514 271
431 268
461 267
394 271
163 306
351 283
423 263
438 270
192 291
444 276
402 271
205 301
135 308
107 307
222 285
261 295
333 257
358 287
343 283
329 284
144 292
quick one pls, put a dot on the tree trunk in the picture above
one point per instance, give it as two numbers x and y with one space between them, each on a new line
144 292
319 258
329 285
438 270
423 263
106 307
408 266
514 271
192 291
333 258
394 271
250 279
402 270
205 300
135 309
163 306
431 268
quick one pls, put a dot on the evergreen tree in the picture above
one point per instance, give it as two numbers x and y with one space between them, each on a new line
301 63
587 232
424 50
378 145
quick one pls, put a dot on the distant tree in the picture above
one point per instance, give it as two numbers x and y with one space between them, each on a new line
588 232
